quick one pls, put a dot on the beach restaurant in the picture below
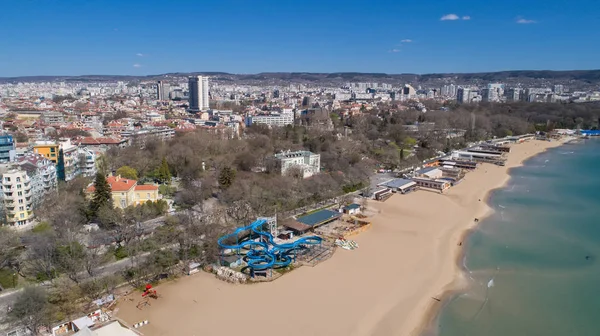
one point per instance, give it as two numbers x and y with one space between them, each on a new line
437 184
306 223
400 185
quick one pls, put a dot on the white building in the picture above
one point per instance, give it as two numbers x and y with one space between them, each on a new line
309 163
198 93
18 197
273 119
42 173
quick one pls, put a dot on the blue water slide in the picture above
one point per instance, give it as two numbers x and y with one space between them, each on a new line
259 256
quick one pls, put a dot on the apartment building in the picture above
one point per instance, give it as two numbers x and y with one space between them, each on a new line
7 148
49 149
126 192
273 119
42 173
309 163
17 197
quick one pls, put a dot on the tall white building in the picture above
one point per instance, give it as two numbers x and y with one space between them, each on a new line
162 90
18 198
463 95
198 96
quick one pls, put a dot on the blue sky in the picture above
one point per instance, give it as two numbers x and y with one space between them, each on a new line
135 37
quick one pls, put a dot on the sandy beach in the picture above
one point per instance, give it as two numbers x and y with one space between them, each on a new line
383 288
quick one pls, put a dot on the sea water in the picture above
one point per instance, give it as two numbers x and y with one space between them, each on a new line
534 264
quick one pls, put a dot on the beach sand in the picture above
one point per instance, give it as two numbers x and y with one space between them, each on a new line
386 287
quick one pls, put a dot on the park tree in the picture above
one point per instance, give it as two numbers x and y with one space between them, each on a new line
164 173
128 173
102 195
31 309
226 177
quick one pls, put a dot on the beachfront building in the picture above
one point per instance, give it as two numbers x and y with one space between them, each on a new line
18 198
126 192
307 162
309 222
399 185
440 185
475 156
429 172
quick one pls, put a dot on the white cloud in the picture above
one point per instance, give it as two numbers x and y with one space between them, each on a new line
137 65
140 55
406 41
394 50
450 17
466 17
525 21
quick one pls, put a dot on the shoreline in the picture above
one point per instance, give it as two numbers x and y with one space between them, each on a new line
426 325
384 288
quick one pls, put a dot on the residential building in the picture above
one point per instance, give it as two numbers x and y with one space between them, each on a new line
139 137
52 117
273 119
42 173
18 197
513 94
126 192
87 161
308 162
463 95
162 90
7 148
68 166
198 93
559 89
49 149
102 144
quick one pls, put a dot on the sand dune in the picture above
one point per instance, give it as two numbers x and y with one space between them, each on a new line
384 288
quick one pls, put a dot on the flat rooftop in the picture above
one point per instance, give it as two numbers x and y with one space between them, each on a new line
397 183
319 217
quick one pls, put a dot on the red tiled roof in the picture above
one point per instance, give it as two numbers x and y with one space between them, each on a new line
145 187
117 183
99 141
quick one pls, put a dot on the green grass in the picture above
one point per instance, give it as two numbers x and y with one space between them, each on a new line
8 279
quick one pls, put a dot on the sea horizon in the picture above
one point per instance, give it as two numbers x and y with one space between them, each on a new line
523 251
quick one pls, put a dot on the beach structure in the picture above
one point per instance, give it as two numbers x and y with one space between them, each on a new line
351 209
590 132
382 194
435 184
429 172
462 164
475 156
259 250
399 185
311 221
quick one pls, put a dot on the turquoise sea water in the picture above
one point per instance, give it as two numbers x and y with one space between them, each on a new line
542 250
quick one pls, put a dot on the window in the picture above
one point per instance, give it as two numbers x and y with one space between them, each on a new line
22 215
123 205
137 195
20 201
7 179
18 185
148 195
52 150
21 208
19 193
18 179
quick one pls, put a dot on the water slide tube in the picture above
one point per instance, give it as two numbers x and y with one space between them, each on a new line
259 256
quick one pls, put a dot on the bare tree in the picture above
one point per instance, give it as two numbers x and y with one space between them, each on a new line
31 309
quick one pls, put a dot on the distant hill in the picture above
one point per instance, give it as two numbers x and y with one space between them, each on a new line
587 76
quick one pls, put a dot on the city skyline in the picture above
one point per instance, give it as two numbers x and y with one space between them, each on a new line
239 37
